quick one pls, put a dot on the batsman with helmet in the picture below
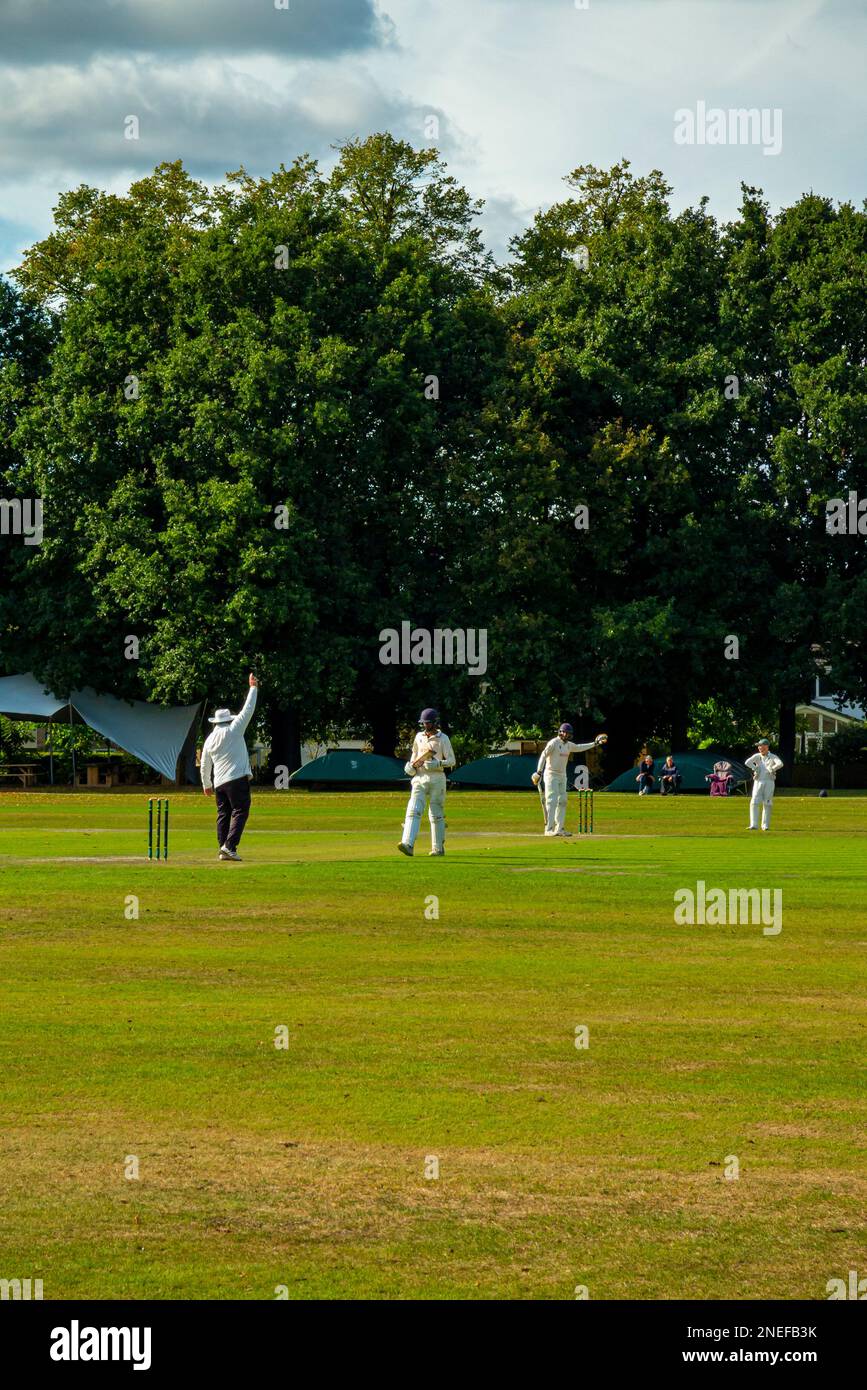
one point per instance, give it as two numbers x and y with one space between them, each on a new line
429 760
552 766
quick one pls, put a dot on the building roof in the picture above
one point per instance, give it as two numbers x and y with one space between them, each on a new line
826 704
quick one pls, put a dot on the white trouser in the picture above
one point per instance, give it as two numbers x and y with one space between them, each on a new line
427 789
763 795
556 796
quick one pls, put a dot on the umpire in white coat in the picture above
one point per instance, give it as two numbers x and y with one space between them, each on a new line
764 766
226 763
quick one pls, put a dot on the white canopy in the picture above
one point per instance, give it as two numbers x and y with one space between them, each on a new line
155 734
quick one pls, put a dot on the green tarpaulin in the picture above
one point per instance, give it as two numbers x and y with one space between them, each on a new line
504 770
347 766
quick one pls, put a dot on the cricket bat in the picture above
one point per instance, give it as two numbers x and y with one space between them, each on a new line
540 788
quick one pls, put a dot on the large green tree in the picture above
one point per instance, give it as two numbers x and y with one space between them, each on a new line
427 361
170 439
239 438
273 418
795 323
26 337
620 390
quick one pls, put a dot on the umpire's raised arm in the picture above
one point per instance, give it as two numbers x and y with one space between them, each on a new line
242 719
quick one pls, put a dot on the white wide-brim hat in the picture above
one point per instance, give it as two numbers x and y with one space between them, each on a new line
222 716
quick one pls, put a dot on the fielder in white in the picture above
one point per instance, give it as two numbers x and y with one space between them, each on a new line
551 770
764 766
429 760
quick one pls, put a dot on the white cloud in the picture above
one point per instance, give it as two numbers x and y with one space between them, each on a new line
39 31
526 91
212 113
538 87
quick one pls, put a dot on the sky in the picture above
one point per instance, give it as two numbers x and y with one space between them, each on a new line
523 92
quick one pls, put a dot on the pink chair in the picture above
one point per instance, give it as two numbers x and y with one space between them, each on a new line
721 779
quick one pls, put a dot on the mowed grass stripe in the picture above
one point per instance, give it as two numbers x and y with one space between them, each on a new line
409 1036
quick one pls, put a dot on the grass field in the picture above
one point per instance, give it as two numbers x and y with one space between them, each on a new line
411 1037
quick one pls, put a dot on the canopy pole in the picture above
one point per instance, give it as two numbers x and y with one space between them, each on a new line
51 750
72 745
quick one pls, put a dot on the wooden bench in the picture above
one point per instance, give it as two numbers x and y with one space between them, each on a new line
99 774
25 773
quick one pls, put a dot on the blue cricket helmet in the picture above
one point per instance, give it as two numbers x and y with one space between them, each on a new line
429 716
565 729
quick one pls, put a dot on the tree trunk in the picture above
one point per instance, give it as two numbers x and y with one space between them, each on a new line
285 730
585 726
786 747
624 726
186 772
679 723
383 723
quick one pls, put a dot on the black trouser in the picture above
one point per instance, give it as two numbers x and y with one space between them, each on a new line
668 784
233 808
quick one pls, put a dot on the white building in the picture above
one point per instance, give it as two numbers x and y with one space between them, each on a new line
825 714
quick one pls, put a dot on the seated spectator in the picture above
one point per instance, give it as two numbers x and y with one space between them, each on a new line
720 779
645 775
669 777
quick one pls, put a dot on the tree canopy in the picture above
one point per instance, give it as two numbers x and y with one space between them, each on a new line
271 419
